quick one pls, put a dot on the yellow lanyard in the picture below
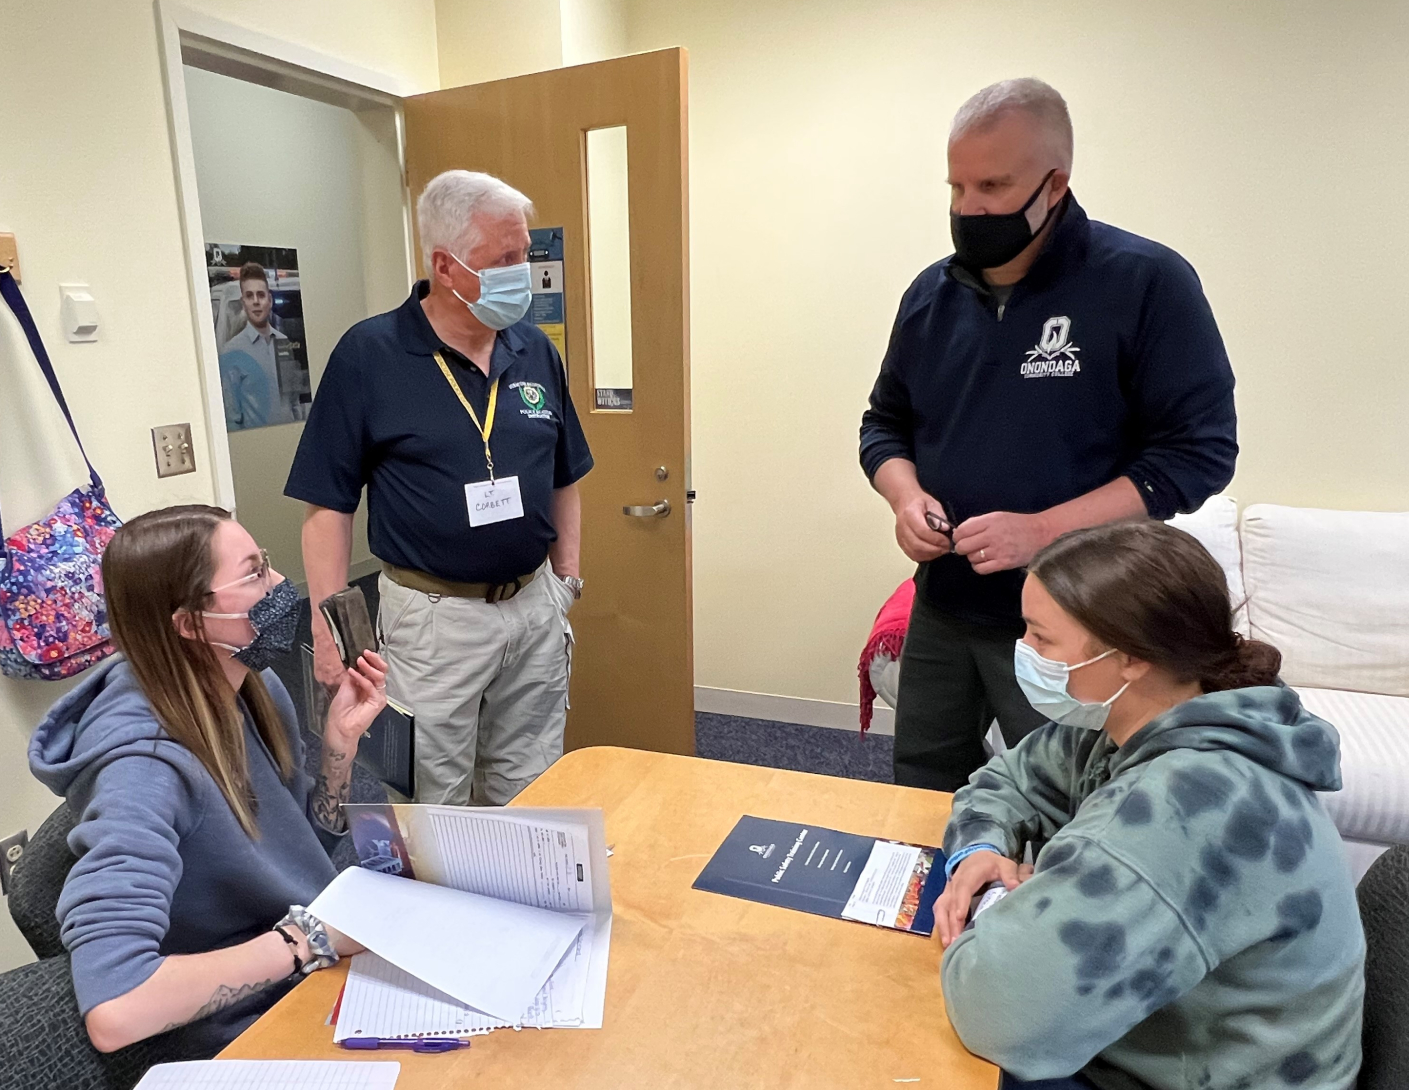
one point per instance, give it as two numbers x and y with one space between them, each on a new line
484 429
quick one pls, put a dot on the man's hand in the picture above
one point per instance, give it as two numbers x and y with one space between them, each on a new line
1001 540
913 533
951 910
327 663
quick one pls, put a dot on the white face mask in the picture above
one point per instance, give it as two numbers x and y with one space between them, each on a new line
1044 683
504 294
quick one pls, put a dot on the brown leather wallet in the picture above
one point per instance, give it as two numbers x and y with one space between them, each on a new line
350 624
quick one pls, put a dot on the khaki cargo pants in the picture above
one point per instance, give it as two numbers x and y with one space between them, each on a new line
487 683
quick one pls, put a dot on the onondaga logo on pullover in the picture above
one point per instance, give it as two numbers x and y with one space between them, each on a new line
1055 355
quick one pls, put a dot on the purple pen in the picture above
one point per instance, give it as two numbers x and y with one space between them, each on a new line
419 1044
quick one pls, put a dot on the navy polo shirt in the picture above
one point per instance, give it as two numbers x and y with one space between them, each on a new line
1104 362
384 417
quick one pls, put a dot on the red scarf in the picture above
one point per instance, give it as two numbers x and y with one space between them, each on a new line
888 635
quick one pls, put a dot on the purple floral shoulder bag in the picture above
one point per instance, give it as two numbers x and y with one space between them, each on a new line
53 620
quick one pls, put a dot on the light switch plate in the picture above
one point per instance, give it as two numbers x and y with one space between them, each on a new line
9 254
172 445
11 848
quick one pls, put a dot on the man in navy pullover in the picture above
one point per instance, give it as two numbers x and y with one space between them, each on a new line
1054 373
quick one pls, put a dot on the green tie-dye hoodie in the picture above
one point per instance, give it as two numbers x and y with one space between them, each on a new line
1191 924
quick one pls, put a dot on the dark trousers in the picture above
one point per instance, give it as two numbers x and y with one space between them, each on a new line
955 678
1075 1082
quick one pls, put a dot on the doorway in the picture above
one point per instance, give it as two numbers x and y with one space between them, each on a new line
601 149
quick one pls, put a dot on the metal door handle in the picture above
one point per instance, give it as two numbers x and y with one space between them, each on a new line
655 511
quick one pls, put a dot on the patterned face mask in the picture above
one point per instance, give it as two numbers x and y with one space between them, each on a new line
274 619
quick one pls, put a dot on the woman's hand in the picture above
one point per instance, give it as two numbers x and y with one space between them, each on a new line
951 910
359 699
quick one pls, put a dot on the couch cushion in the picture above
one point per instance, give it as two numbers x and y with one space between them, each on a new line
1215 524
1330 589
1373 803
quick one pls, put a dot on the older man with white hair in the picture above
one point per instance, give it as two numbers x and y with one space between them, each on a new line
1053 373
453 411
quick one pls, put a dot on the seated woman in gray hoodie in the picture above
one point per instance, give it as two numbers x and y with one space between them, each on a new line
1191 920
199 835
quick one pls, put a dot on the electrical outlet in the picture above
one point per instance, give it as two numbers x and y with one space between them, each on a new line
172 445
11 848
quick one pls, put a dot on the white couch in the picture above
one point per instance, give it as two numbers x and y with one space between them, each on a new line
1330 590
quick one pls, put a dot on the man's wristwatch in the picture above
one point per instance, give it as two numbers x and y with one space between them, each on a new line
574 584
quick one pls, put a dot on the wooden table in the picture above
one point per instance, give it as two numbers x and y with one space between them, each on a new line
704 990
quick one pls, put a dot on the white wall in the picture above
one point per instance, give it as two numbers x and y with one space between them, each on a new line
1263 141
87 184
275 169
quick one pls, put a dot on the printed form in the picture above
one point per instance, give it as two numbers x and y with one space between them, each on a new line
545 860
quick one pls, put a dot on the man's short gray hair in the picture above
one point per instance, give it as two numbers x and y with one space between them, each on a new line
450 203
1038 100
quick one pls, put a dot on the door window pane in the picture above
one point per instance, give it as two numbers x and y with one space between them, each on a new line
609 268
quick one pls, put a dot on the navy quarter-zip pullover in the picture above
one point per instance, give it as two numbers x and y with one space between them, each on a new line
1104 362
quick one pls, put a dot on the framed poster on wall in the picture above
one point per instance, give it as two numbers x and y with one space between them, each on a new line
257 302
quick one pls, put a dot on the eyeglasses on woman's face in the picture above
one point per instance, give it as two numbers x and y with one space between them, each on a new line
260 575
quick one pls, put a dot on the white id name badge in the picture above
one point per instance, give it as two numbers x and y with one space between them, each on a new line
494 501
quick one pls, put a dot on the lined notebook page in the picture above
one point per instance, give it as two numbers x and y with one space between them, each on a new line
381 1000
272 1075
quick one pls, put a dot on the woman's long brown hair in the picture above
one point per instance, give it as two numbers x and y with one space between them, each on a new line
155 566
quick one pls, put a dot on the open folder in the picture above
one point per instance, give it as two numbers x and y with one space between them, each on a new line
473 918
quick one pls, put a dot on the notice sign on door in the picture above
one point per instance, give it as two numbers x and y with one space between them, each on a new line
549 309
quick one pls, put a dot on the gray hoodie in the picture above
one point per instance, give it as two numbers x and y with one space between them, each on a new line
1192 922
163 865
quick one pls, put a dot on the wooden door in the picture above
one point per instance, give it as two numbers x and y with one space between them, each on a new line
633 671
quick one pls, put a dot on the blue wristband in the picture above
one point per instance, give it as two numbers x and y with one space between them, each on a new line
952 863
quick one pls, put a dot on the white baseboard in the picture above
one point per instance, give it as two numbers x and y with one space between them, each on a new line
791 709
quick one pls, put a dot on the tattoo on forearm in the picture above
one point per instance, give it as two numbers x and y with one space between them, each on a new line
225 996
327 801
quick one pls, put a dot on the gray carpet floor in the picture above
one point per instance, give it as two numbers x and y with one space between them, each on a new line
763 742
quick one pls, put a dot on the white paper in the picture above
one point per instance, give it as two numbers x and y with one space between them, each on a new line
493 955
525 841
381 1000
882 885
494 501
272 1075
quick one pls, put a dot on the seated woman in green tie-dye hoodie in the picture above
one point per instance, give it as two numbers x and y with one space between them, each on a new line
1190 923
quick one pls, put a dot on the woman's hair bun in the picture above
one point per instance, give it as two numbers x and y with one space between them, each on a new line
1251 662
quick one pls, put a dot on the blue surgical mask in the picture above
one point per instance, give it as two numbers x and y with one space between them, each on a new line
274 619
1044 683
504 294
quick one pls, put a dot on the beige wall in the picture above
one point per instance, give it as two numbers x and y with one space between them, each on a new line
1264 142
483 40
275 169
87 184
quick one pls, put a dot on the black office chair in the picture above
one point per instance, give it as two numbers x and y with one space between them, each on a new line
44 1045
1384 909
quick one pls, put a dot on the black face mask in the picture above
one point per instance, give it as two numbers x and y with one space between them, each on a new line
987 241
